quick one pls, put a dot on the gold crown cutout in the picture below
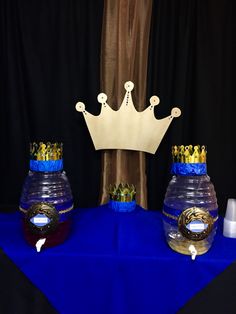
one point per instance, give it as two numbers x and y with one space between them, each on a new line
189 153
126 128
46 151
123 192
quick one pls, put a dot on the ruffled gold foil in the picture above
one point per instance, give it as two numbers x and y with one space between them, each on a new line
46 151
189 154
122 192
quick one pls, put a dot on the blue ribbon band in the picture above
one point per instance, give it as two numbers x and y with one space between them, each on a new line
122 206
189 169
46 165
63 209
171 215
58 207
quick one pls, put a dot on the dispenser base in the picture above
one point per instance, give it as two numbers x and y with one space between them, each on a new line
58 236
183 246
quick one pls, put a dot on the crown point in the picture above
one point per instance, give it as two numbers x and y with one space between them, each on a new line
175 112
129 86
154 100
102 98
189 154
80 106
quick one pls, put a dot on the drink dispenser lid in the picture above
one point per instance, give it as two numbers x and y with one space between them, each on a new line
189 160
46 157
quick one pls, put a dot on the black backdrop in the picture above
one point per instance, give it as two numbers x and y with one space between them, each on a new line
49 59
190 65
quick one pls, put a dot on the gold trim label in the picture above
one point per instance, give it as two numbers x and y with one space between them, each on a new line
42 218
195 223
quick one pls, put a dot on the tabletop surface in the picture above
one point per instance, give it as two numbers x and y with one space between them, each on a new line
115 263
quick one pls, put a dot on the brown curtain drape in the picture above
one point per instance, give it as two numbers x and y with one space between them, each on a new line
124 56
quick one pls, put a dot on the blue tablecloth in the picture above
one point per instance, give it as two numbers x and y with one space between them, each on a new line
115 263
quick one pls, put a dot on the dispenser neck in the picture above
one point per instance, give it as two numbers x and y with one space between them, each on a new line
46 165
189 169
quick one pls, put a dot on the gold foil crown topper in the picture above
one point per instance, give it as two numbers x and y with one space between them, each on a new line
46 151
122 192
189 154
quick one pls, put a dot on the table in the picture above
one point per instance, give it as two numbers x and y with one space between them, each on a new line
115 263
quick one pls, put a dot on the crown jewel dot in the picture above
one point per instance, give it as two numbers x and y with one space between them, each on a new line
175 112
129 86
80 107
154 100
102 98
127 99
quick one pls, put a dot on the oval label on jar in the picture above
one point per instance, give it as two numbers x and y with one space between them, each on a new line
195 223
42 218
196 226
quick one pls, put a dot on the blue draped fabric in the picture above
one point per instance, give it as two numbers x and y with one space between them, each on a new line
46 165
115 263
122 206
188 169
